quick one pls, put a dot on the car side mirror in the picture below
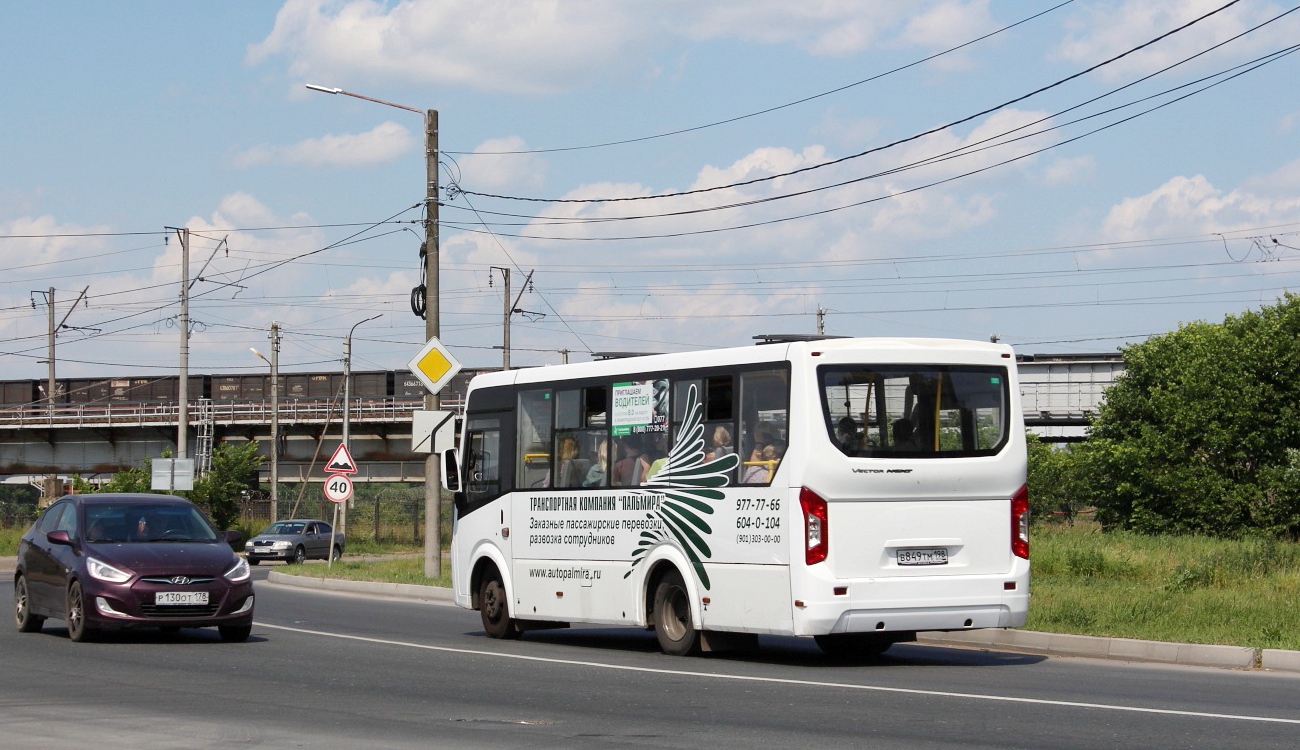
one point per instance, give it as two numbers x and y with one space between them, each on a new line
59 537
232 536
450 471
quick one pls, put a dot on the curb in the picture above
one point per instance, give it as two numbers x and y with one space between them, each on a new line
1121 649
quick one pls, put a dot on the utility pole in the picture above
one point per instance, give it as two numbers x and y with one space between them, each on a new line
505 315
564 356
49 392
274 362
429 293
183 388
54 328
432 464
821 321
347 405
275 422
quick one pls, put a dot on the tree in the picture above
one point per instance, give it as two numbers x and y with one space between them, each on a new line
1054 484
234 467
1201 432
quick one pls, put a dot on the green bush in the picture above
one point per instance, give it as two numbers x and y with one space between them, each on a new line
1201 433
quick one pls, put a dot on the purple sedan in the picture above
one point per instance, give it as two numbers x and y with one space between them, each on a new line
112 561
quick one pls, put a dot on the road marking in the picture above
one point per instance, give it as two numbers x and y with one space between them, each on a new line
786 681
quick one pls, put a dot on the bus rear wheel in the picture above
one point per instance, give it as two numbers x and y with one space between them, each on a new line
672 617
494 609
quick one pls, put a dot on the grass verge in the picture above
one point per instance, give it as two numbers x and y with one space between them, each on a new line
404 569
1165 588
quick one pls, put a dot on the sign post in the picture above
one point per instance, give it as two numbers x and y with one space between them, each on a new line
338 488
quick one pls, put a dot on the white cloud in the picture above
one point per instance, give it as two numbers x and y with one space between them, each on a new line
1065 171
542 46
521 46
386 142
490 168
833 28
1104 29
1288 122
947 25
1192 205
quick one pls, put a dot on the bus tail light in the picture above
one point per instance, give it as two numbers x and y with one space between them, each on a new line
1020 523
816 531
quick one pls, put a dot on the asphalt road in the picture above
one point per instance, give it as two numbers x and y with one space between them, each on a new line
325 670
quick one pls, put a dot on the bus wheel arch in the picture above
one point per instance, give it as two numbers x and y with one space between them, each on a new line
491 598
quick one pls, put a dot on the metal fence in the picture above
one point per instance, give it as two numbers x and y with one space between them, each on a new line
391 515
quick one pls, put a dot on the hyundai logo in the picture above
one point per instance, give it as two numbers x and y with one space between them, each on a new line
180 580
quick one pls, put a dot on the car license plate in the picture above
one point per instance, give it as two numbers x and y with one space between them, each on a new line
180 597
934 556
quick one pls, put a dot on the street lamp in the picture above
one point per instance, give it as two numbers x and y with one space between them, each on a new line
427 293
274 362
347 400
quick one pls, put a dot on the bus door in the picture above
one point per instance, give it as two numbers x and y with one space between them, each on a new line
485 514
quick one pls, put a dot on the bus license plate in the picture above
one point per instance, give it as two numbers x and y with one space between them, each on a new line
180 597
935 556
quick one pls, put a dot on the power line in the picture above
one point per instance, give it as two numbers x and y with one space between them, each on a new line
859 155
769 110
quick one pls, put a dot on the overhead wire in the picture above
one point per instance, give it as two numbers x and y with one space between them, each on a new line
892 144
776 108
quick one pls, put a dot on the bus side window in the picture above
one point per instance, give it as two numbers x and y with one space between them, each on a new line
764 424
533 468
482 481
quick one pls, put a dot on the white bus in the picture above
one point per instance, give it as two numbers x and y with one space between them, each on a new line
855 490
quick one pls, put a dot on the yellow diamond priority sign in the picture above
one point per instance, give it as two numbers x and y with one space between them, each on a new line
434 365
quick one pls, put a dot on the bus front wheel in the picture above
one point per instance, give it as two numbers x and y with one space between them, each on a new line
672 617
495 610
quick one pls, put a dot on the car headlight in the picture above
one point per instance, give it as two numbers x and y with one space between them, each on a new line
102 571
238 572
281 545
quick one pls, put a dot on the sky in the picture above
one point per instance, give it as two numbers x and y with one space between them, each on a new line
671 175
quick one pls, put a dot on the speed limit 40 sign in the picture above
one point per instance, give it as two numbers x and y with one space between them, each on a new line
338 488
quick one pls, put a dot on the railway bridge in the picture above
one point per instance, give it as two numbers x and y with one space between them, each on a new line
98 439
1059 395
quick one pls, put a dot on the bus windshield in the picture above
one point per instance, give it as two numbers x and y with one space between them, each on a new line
915 411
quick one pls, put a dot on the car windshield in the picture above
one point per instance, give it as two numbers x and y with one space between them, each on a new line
284 528
143 522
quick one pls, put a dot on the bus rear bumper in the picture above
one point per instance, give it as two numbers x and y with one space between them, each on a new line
913 605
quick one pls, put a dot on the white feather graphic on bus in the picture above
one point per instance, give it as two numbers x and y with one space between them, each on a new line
689 486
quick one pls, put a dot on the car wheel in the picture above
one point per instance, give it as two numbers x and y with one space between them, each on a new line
27 622
253 561
299 555
672 617
335 554
78 629
495 610
853 646
234 633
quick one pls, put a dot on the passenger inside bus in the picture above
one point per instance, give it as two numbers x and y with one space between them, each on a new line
720 445
627 471
596 474
573 469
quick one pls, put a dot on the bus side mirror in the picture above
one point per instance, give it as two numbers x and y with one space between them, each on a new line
450 471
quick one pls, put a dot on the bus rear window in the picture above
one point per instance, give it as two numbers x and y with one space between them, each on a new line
915 411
